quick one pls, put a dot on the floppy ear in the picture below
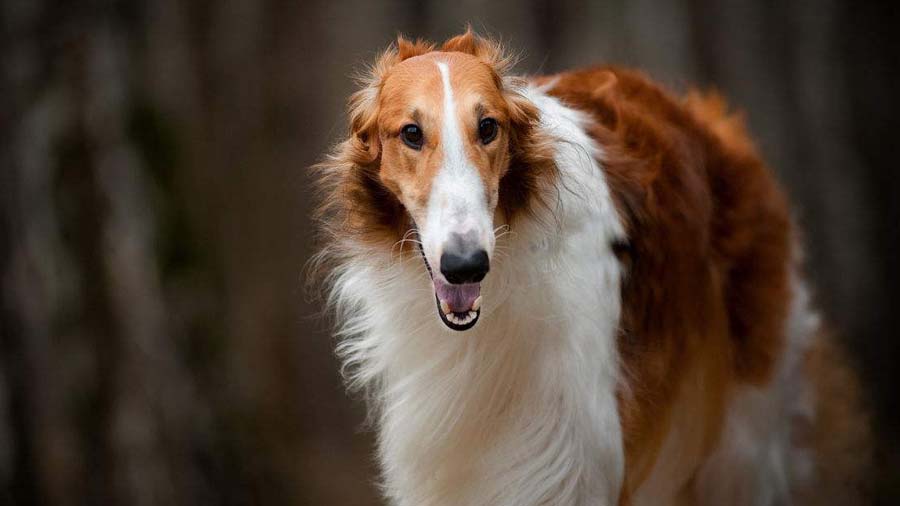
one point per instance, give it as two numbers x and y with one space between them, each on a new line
523 114
531 151
364 143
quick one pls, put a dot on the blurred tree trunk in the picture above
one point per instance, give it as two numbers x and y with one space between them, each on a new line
101 401
152 260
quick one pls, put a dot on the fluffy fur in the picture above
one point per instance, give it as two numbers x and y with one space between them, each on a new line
645 338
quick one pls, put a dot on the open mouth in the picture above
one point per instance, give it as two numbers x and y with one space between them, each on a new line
459 305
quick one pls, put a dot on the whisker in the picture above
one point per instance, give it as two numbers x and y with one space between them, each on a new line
399 244
505 233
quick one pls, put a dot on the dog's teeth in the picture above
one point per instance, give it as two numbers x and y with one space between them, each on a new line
445 307
476 304
460 319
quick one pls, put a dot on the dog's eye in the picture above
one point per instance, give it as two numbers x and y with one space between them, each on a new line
487 130
412 136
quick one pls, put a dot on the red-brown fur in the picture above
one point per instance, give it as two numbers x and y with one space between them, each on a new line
707 289
708 257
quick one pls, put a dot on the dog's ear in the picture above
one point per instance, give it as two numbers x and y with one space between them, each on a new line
523 114
407 48
485 49
531 157
364 142
466 42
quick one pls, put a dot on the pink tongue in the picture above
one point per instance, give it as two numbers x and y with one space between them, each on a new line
459 297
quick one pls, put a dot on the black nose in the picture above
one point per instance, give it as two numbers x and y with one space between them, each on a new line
469 267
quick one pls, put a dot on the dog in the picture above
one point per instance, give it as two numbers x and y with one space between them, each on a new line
575 289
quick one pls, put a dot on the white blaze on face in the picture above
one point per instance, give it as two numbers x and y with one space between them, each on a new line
457 207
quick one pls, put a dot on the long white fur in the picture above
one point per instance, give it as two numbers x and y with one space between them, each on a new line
521 409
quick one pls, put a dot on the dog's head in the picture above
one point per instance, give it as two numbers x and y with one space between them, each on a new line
438 129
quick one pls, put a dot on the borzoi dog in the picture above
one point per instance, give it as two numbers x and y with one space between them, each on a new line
576 289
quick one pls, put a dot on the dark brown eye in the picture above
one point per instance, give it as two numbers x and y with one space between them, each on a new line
487 130
412 136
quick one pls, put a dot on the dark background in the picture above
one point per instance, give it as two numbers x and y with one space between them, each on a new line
157 346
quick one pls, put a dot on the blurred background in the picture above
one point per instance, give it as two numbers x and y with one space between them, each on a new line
157 346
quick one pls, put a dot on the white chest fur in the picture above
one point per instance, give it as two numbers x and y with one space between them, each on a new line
521 409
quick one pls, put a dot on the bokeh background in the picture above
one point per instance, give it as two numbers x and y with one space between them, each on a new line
157 345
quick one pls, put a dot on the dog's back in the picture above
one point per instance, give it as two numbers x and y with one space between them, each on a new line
781 421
